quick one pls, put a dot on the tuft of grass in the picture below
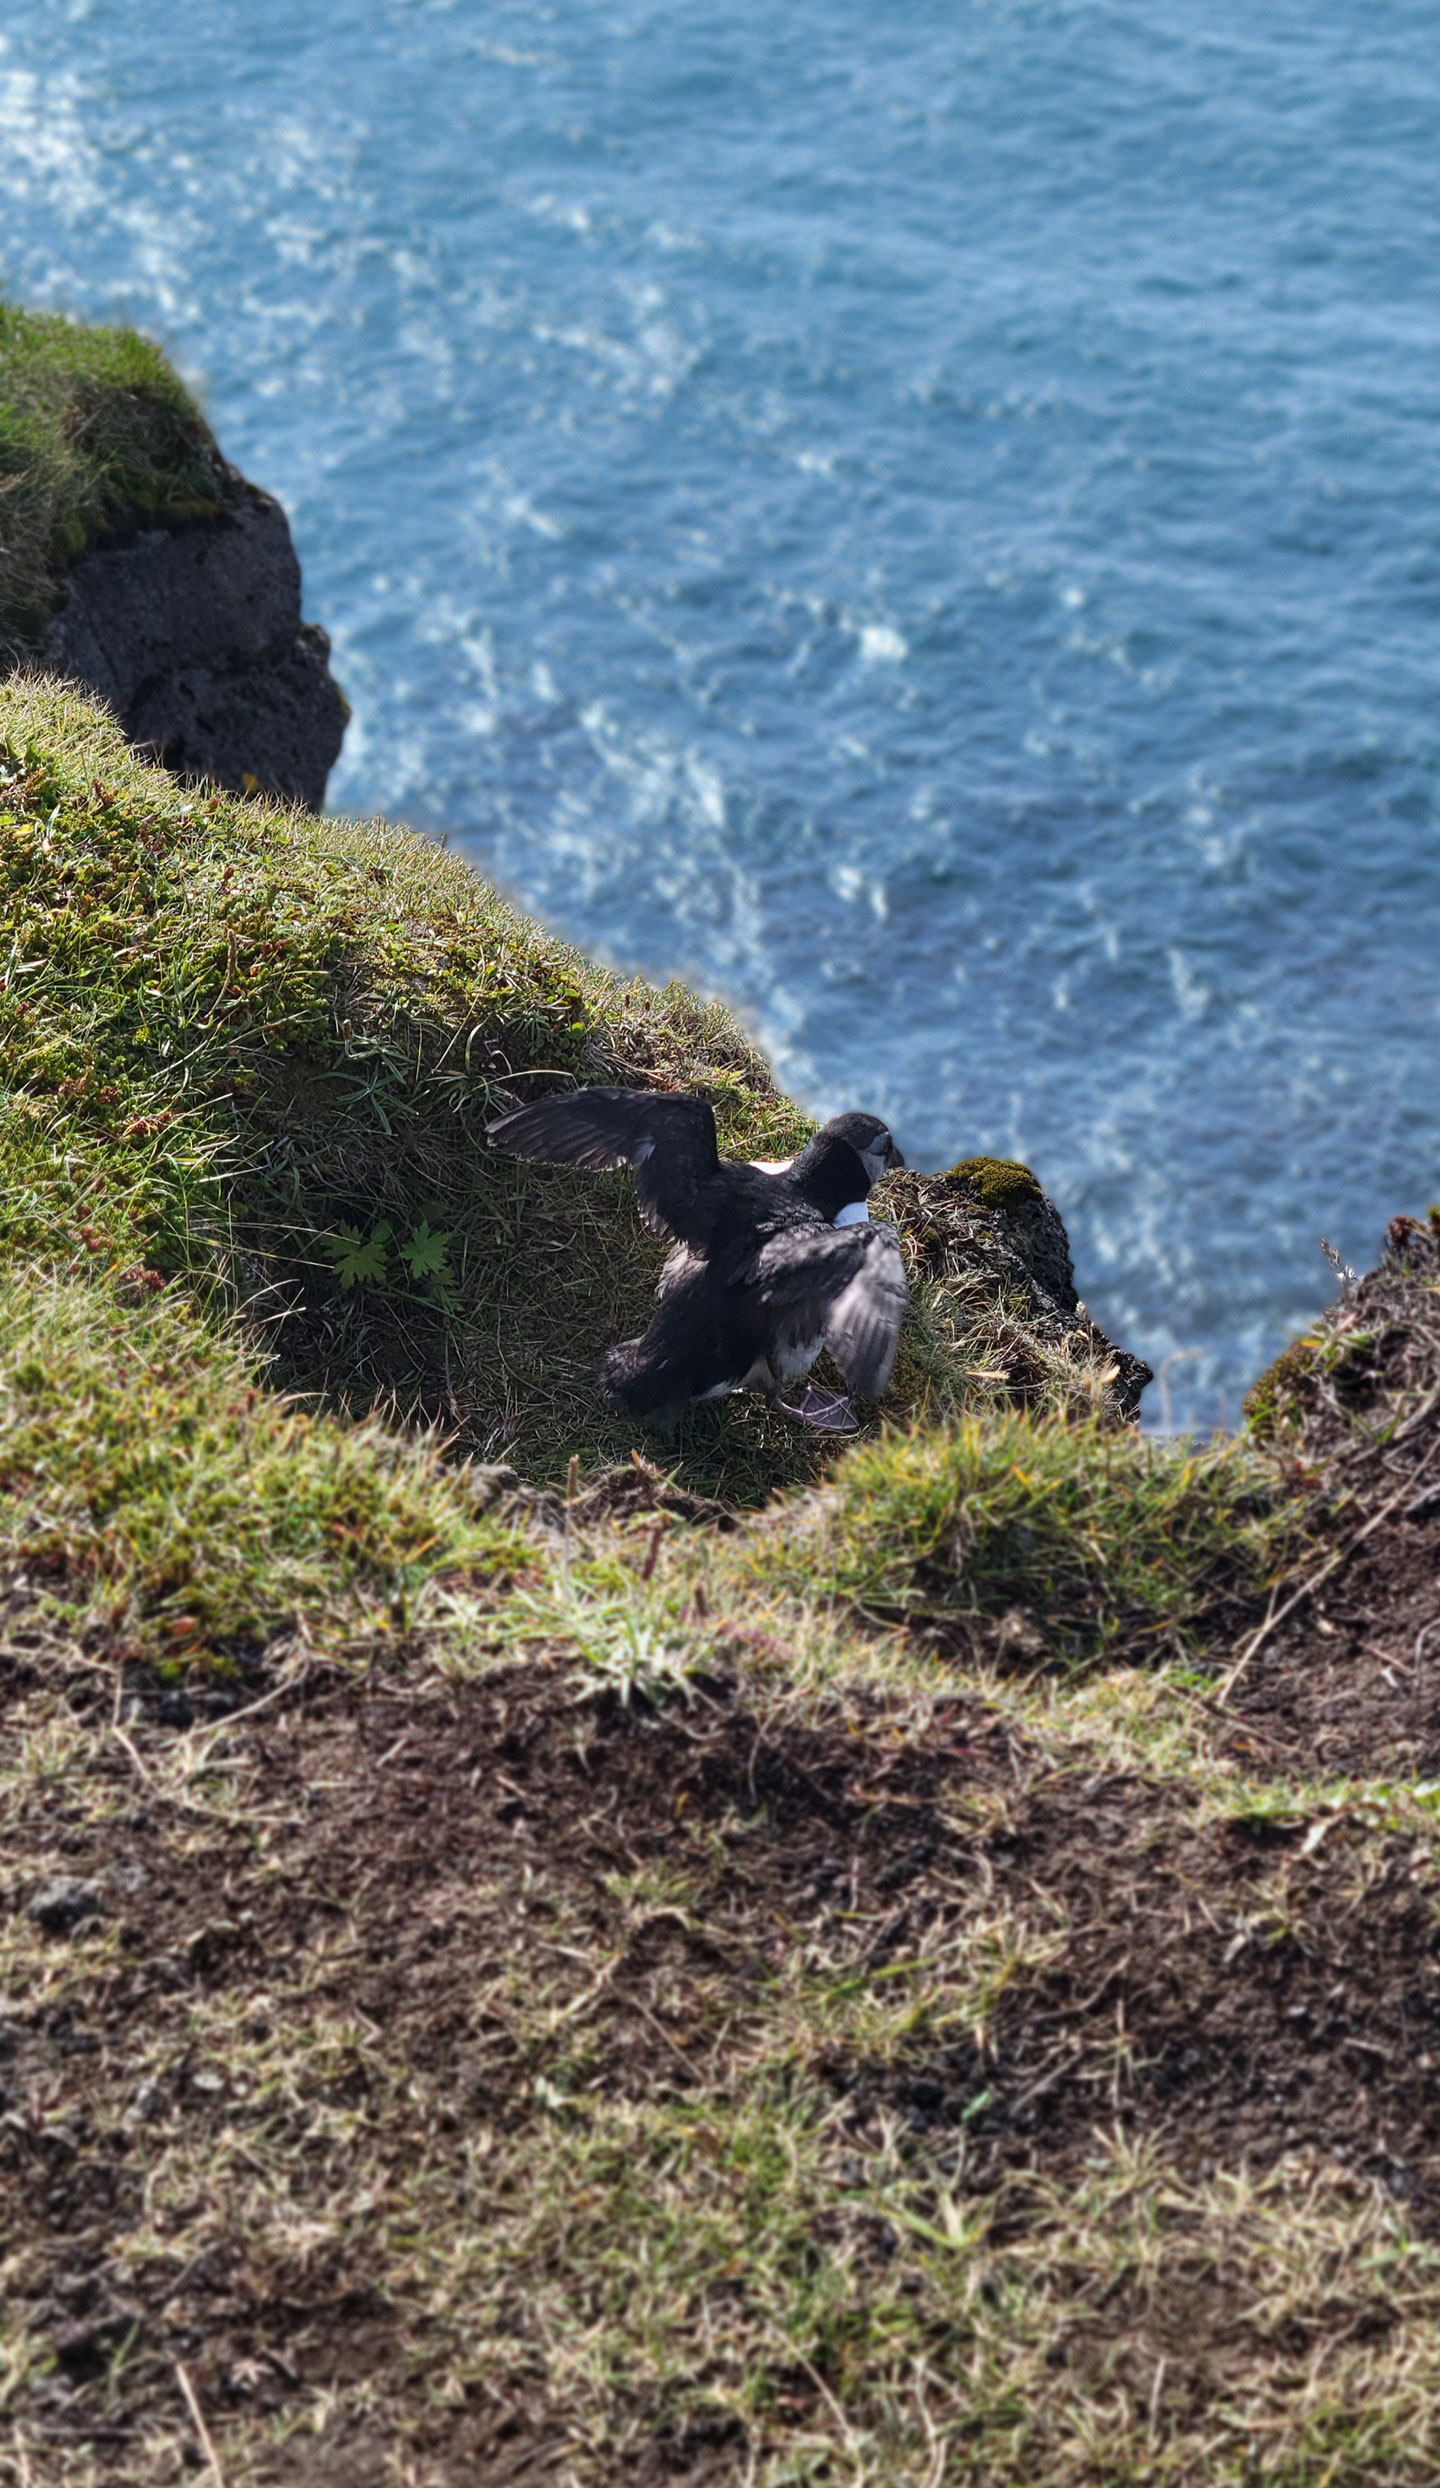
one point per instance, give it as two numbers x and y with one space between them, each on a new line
157 1502
95 428
632 1642
1072 1540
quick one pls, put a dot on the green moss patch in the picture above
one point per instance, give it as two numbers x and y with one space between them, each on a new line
1000 1183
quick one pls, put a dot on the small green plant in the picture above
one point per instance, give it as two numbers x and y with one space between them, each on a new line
423 1252
363 1260
360 1260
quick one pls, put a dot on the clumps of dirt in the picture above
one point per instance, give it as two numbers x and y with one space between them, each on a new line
421 1914
675 1846
1230 1991
1238 1990
1350 1685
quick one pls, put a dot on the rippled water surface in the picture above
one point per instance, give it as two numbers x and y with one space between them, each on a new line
923 520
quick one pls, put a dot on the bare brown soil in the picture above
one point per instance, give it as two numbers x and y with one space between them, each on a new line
409 1862
1351 1686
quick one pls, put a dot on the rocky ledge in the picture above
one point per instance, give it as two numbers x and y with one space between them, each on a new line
192 634
993 1288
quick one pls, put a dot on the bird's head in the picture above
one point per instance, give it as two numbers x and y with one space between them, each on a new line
845 1159
872 1141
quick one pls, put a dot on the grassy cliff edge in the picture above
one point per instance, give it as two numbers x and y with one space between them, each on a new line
916 1966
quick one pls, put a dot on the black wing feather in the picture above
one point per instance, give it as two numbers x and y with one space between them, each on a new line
668 1138
847 1283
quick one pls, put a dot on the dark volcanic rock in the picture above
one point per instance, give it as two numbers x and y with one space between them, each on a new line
1034 1231
194 637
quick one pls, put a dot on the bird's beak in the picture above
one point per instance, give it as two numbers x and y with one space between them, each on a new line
895 1159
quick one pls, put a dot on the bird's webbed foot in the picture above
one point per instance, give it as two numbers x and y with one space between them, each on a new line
829 1412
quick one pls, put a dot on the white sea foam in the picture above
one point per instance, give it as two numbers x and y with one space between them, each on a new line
569 214
522 509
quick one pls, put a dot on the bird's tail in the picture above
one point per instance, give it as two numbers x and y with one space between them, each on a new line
632 1385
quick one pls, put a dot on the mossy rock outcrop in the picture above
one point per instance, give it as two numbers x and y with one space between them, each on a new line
1372 1350
136 561
996 1313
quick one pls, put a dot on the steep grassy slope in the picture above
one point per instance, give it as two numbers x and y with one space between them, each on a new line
94 425
258 1052
933 1981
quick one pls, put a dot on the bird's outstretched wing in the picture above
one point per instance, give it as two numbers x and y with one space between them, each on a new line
668 1139
845 1283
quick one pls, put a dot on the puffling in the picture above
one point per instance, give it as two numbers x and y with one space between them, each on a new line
762 1276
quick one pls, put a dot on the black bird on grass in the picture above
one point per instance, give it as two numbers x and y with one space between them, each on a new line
770 1263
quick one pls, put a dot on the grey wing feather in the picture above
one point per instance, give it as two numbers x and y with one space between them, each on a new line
846 1284
668 1138
681 1264
862 1330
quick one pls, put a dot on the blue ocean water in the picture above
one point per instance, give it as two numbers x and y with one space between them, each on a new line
925 521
